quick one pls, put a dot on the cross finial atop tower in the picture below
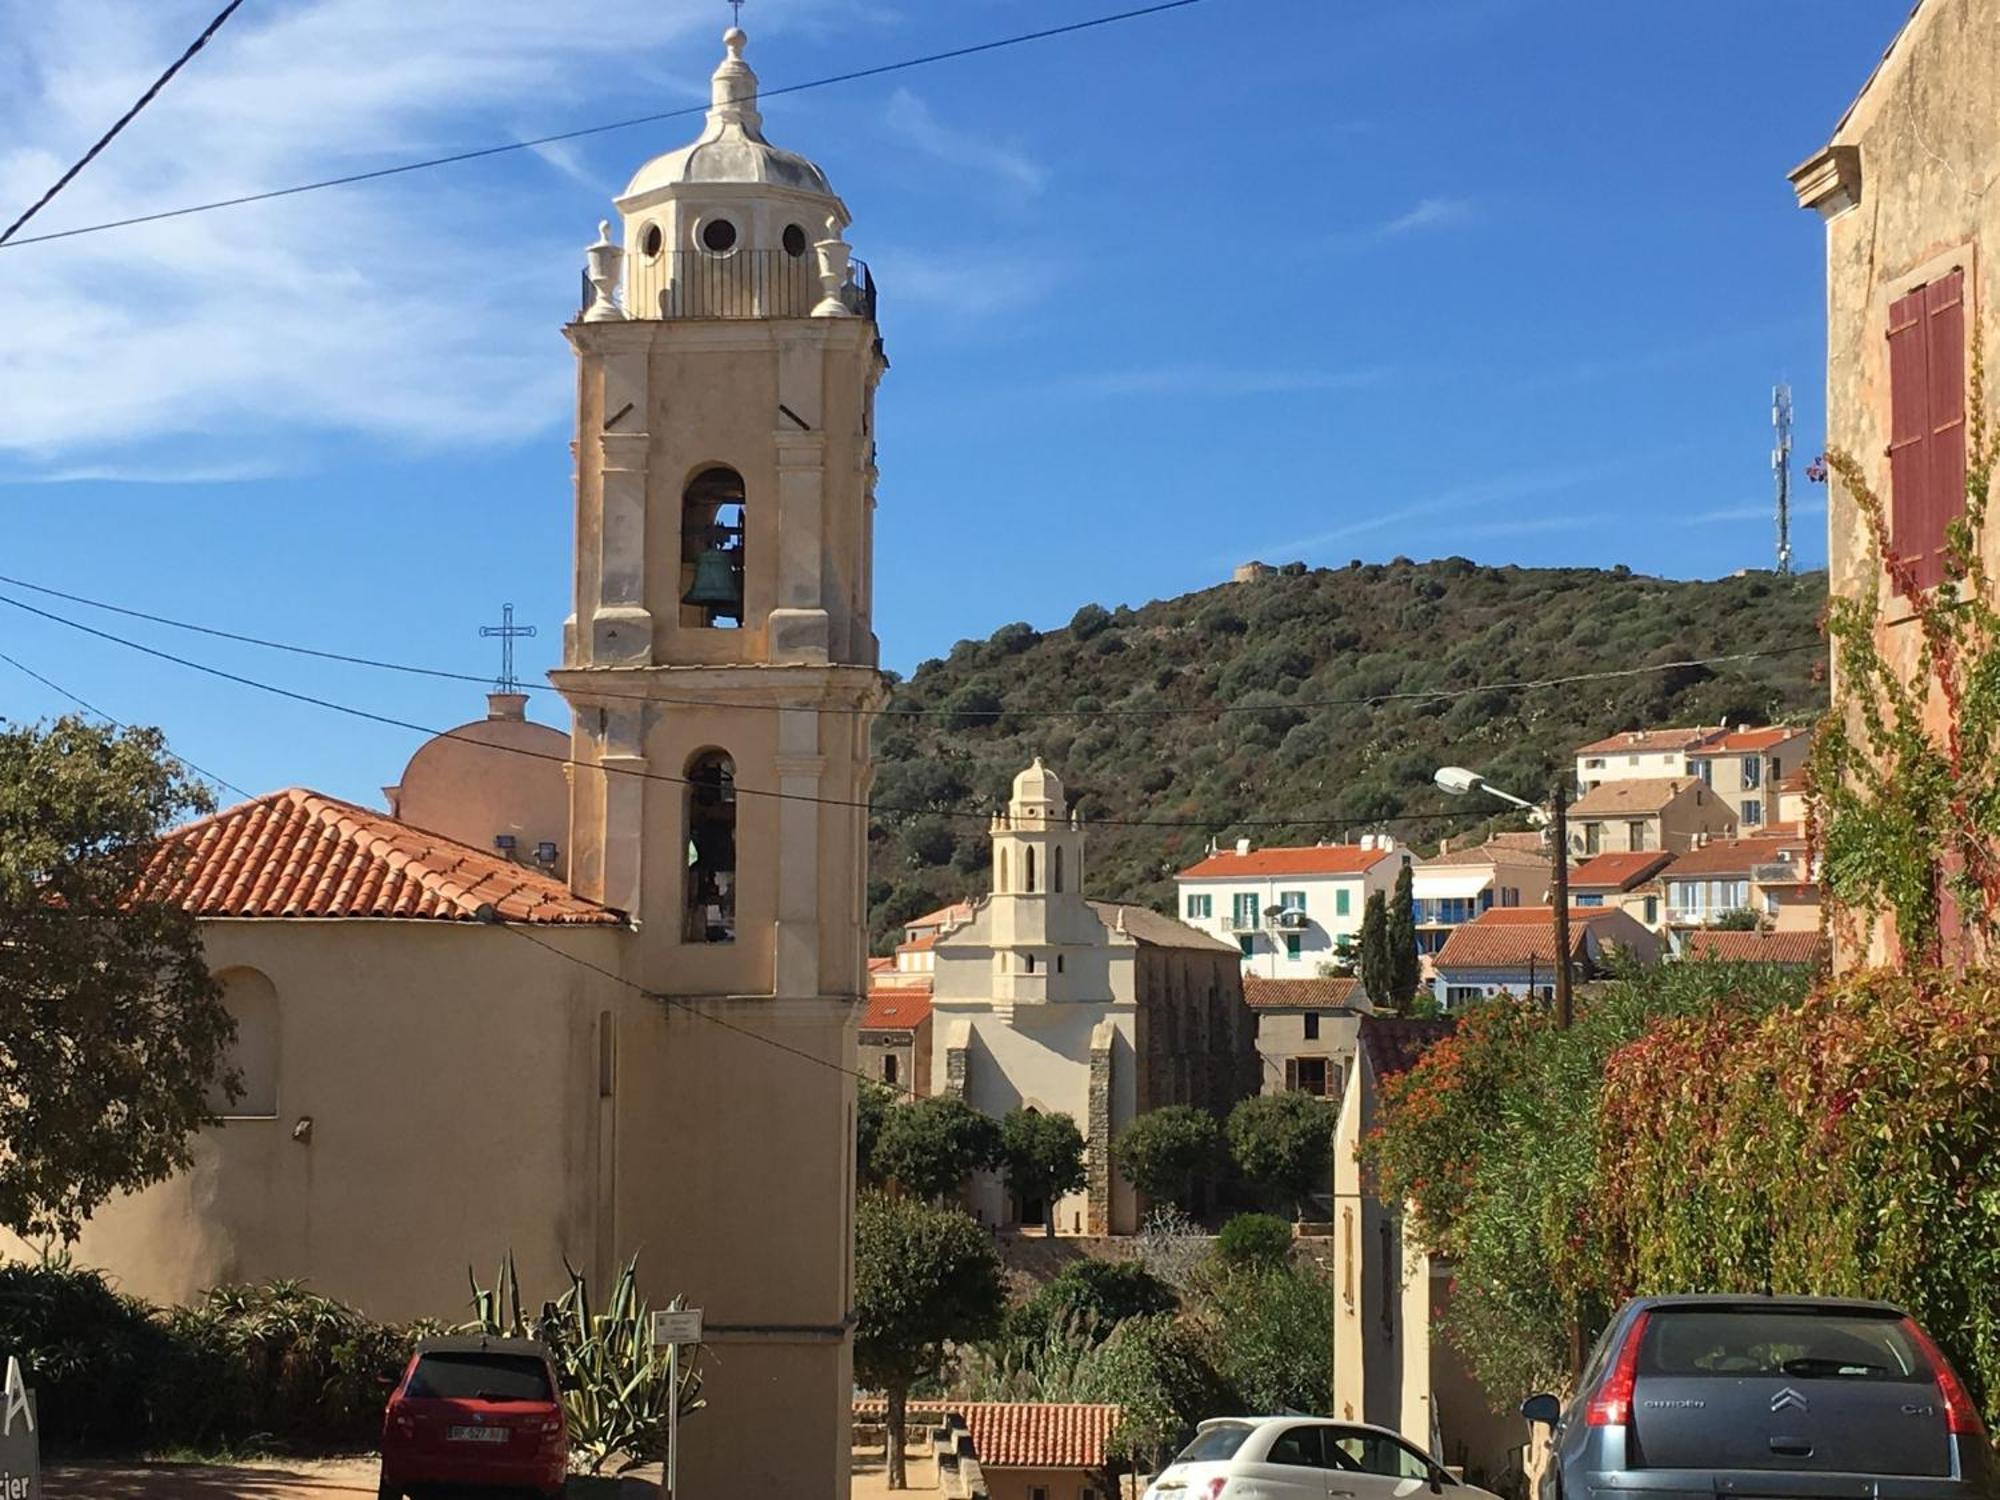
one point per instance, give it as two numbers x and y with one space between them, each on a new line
736 13
508 632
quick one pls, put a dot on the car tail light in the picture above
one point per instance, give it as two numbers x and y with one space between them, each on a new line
1961 1417
1216 1487
1612 1405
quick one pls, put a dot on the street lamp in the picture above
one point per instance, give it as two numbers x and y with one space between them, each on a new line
1459 782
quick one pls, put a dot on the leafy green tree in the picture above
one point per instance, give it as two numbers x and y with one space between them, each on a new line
113 1032
1254 1240
1169 1153
924 1278
1264 1334
1377 961
1743 919
1155 1370
1403 968
1105 1291
872 1104
1042 1156
929 1147
1283 1143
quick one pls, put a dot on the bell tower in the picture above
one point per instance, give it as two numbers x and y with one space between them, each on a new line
721 666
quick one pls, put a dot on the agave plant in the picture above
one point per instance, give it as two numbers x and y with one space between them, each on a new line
616 1382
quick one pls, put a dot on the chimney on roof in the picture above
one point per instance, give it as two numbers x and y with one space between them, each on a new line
1243 846
1444 846
506 705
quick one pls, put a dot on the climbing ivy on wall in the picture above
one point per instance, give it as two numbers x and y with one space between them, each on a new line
1905 770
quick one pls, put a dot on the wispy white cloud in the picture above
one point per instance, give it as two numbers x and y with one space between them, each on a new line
968 284
148 473
1429 213
1803 505
1212 380
912 119
417 310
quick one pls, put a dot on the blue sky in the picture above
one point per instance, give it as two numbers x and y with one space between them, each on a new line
1293 279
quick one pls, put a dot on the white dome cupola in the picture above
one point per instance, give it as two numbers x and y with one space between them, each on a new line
730 225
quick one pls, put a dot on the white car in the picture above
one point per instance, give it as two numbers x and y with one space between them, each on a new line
1302 1458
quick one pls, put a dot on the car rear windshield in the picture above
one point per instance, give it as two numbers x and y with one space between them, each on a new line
473 1376
1220 1441
1798 1344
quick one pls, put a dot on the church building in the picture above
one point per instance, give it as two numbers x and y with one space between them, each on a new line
592 993
1043 1000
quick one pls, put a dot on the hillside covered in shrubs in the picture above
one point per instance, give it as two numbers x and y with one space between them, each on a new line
1307 694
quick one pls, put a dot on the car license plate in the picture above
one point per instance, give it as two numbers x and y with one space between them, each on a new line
476 1434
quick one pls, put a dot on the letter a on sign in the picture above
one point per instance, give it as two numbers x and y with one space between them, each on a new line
17 1400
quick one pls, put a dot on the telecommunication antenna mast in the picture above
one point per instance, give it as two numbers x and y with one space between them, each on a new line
1781 470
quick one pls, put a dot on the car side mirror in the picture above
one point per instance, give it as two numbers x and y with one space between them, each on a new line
1543 1409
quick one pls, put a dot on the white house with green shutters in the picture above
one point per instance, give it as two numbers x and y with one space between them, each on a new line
1289 910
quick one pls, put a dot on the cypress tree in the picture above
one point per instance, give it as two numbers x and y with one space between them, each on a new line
1403 967
1377 961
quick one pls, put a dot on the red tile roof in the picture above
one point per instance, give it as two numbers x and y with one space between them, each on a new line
1736 856
881 965
1636 796
1618 872
1649 741
1260 993
296 853
1756 947
1022 1434
1321 859
919 944
1531 916
1513 937
896 1009
958 911
1395 1043
1748 740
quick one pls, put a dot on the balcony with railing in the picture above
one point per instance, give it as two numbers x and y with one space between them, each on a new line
691 284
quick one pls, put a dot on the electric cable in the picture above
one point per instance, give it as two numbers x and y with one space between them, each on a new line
478 153
123 120
1424 695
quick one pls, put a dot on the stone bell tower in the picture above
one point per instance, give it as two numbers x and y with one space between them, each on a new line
721 665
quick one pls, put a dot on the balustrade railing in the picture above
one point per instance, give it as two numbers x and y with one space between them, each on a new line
680 284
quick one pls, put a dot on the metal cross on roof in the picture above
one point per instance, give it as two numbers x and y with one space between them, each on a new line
508 632
736 12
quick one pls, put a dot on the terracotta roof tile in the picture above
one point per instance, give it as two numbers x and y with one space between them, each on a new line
296 853
1320 859
1514 937
958 911
896 1009
1638 794
1756 947
1748 740
1023 1434
1618 872
1260 993
1492 852
1738 856
1650 741
1144 925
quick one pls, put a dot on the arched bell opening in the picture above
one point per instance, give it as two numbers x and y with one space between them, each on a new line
711 848
712 550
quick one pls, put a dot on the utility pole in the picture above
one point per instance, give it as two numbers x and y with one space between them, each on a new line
1781 470
1559 819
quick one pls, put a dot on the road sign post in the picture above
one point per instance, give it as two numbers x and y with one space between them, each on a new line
674 1327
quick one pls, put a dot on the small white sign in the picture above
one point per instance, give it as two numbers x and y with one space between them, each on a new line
683 1327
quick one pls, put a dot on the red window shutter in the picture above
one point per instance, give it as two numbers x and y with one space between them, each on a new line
1944 316
1909 425
1291 1075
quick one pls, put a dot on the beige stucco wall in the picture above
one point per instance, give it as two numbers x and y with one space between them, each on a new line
1055 1484
1927 130
1281 1035
1693 811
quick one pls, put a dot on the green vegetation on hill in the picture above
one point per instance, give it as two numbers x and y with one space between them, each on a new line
1269 650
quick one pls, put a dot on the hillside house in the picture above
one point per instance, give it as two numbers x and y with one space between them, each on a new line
894 1039
1744 768
1629 817
1772 878
1637 755
1625 882
1289 911
1305 1031
1514 952
1905 188
1456 885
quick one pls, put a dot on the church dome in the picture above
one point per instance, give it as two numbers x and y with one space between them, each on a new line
1038 786
732 148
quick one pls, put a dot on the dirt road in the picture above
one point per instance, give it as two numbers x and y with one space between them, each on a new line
298 1479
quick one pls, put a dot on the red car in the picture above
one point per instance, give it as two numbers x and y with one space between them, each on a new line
476 1413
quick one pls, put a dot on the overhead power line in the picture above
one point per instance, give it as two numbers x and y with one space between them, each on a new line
1423 695
980 815
480 152
123 120
62 692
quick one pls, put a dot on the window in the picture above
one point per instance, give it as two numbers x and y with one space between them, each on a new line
1593 898
1220 1441
1593 838
1056 870
1704 771
1306 1075
1456 995
1631 760
1028 964
1753 812
712 539
1243 910
1636 834
794 241
718 236
1059 963
1292 942
500 1377
1001 884
1200 908
1652 911
1246 944
711 848
1343 902
1038 1492
1378 1453
651 241
1509 896
1292 901
889 1067
1298 1447
252 1003
1926 423
1028 871
1595 763
1312 1028
1753 772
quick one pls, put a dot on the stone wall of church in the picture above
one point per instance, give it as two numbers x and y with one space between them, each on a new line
1198 1041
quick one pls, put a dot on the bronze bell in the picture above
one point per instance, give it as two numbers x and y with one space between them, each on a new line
718 582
